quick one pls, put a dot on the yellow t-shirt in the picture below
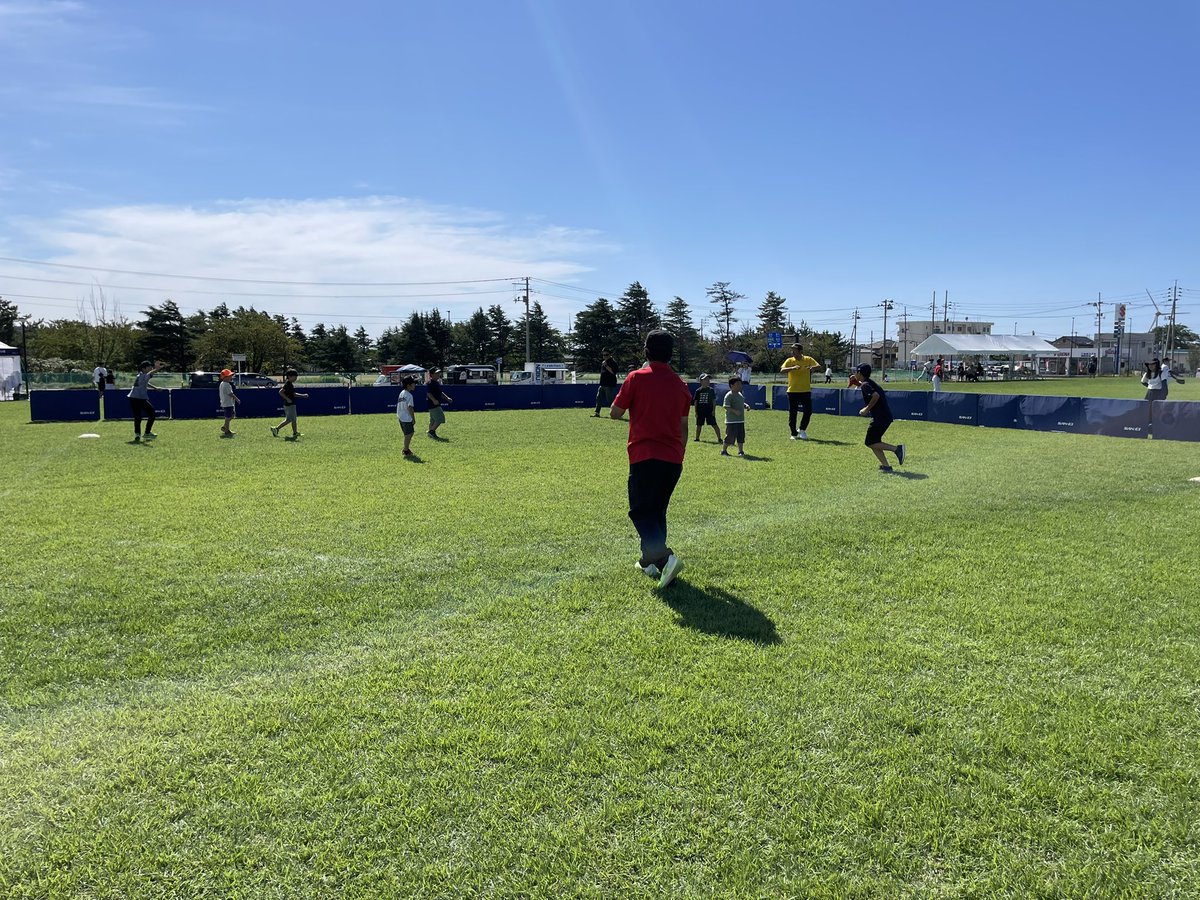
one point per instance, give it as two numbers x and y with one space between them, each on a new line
799 380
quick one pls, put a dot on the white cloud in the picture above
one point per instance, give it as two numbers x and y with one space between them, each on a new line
386 246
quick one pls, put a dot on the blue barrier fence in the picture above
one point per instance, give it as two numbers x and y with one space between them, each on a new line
1165 420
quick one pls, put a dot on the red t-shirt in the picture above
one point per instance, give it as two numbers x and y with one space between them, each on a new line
657 400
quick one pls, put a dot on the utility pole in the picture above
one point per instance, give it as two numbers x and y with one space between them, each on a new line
1071 350
526 299
946 313
933 315
904 338
1099 316
854 340
886 304
1171 325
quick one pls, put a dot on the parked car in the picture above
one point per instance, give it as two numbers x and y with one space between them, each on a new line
240 379
477 373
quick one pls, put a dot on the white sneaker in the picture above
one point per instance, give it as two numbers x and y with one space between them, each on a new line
795 437
650 570
804 435
274 431
672 568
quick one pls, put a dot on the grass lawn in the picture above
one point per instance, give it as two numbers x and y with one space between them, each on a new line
256 668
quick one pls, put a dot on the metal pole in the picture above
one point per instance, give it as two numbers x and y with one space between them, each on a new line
25 355
1071 350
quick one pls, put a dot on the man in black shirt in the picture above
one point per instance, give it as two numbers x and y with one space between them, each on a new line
608 383
881 417
437 399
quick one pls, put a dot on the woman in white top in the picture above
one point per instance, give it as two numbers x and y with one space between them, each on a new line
1155 380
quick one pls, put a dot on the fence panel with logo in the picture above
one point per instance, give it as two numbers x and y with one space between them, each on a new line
1175 420
1000 411
954 409
1052 414
65 406
1116 418
117 407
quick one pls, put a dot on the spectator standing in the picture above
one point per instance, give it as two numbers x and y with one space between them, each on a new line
658 404
937 375
289 395
799 390
438 400
229 400
1167 377
705 401
876 406
828 373
744 373
100 378
608 382
139 400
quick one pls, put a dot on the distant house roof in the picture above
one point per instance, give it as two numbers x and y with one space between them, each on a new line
1076 340
984 343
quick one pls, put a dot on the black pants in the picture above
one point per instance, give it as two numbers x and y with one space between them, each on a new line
605 395
651 483
140 408
797 401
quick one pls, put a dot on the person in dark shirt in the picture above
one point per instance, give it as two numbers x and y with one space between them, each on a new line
289 395
876 406
438 399
608 383
705 401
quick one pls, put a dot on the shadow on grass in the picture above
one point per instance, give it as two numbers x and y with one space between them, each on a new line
750 457
715 611
827 442
911 476
413 459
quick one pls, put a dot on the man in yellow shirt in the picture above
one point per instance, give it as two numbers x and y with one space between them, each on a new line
799 390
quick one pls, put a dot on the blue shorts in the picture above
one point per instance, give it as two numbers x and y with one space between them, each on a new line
228 412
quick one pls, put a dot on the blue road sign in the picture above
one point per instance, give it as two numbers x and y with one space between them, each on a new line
774 340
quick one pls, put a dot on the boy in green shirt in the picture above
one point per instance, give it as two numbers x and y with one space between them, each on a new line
735 417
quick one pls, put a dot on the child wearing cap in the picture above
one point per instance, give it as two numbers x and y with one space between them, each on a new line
289 395
438 399
881 417
735 417
406 412
228 399
705 401
139 400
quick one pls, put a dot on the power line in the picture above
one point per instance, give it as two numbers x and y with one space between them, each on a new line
38 262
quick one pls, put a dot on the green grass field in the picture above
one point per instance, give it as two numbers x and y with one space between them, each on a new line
256 668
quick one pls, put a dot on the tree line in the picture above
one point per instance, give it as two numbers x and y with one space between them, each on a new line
207 340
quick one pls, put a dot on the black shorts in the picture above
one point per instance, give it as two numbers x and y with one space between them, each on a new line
735 432
706 415
875 431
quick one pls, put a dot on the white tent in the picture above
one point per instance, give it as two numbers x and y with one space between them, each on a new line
999 344
10 371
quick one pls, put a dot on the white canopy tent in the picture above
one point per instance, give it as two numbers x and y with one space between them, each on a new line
1010 345
10 371
979 344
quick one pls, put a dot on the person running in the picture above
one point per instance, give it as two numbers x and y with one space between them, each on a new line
289 395
608 383
799 390
828 373
876 406
438 400
658 403
705 402
139 400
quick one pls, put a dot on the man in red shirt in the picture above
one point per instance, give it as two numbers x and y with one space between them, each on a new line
658 403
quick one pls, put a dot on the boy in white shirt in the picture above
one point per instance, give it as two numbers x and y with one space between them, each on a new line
406 413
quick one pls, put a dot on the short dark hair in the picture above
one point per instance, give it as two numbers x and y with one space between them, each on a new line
659 345
290 372
407 380
733 379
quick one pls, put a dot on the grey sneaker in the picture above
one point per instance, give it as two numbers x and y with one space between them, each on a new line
150 435
650 570
900 453
671 568
274 431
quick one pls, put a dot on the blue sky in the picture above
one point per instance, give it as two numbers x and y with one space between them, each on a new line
1026 157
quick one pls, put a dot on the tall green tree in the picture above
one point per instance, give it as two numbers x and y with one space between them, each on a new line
441 336
165 335
546 343
678 320
8 322
725 299
248 331
499 334
596 329
470 339
772 313
415 345
636 317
